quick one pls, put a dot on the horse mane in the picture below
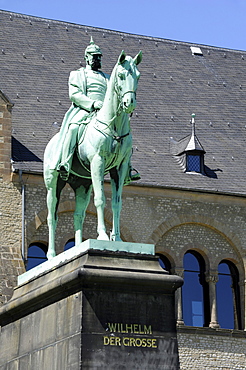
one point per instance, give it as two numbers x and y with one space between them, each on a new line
111 83
102 113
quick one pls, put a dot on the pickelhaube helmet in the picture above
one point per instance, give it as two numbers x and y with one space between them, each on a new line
92 49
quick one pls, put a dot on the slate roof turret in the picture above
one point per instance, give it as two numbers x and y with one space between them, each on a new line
188 143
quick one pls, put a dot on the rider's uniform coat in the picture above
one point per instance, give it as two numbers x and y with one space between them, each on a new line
85 87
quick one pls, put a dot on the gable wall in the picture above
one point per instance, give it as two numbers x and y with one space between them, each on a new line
11 263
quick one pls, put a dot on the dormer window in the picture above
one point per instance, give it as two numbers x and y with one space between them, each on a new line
188 152
194 162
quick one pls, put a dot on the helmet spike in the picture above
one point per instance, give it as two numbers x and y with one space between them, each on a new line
92 48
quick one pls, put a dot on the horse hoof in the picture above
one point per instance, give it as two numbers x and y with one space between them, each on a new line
51 255
102 236
115 238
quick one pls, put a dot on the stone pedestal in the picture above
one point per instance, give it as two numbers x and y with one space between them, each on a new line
100 309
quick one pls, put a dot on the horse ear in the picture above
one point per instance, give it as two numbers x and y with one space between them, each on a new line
138 58
122 57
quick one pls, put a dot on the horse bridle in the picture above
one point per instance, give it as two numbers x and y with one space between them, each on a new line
120 96
118 91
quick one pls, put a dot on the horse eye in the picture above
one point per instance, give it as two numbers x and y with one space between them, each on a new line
121 75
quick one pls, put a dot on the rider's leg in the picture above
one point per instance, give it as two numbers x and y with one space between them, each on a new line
68 151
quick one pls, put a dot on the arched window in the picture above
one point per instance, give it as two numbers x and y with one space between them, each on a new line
69 244
164 262
228 296
36 255
195 292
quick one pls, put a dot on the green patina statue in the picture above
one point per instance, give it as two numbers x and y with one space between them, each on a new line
87 89
95 139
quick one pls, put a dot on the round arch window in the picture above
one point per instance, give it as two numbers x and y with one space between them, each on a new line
228 296
69 244
36 255
195 292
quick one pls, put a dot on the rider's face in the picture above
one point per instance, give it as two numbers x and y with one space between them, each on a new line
96 62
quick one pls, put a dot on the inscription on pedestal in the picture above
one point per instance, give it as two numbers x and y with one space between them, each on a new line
133 329
129 341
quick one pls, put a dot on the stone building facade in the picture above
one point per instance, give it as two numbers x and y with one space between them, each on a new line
12 263
201 213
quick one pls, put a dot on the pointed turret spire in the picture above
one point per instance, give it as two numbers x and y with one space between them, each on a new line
193 123
194 143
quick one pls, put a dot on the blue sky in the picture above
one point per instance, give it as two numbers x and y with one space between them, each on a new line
211 22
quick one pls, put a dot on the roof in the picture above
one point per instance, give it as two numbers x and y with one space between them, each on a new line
36 59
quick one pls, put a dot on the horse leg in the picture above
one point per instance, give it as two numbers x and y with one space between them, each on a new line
52 221
82 198
54 188
117 182
97 175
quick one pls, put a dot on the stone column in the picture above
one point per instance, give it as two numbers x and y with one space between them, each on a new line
178 299
242 286
212 279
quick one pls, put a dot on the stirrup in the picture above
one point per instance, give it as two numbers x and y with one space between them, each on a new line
136 176
132 177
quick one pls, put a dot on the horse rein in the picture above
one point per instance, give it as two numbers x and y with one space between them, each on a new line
120 96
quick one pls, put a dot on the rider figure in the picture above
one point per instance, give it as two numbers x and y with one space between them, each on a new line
87 89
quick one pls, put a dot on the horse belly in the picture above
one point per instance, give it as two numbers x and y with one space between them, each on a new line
96 143
120 152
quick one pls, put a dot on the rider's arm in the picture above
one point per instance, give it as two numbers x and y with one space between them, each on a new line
77 91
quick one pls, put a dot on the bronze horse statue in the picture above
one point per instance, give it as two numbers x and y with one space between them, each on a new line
105 147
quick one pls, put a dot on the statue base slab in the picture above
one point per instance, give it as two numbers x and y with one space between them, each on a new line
82 248
100 309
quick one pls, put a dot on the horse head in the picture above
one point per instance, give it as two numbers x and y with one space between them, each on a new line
127 76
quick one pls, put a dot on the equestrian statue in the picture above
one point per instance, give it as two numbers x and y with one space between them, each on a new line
94 139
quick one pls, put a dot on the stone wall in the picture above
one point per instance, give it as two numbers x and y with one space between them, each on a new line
11 263
174 220
208 349
161 210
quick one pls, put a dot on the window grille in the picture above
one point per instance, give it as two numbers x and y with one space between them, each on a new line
193 163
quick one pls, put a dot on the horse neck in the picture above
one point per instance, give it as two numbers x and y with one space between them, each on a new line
111 104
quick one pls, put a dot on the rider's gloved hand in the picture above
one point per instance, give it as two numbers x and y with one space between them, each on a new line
98 104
